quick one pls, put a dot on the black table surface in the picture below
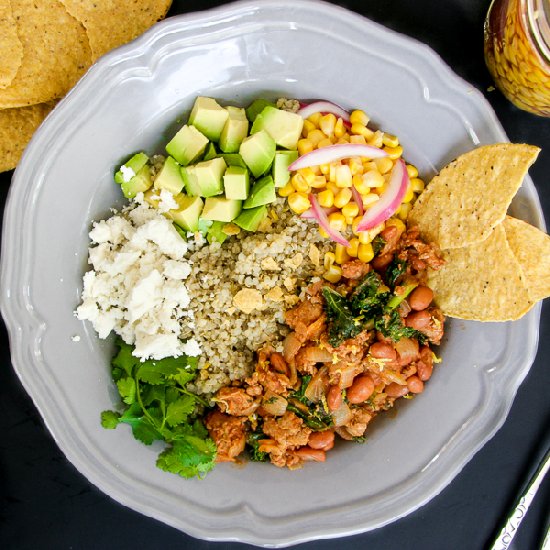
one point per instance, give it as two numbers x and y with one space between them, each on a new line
45 503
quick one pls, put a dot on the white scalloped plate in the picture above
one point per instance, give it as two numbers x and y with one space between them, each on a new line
129 101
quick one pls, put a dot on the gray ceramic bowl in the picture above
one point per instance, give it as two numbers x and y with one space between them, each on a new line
129 101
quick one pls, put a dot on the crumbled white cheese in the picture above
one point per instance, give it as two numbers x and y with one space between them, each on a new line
167 201
136 287
127 173
75 338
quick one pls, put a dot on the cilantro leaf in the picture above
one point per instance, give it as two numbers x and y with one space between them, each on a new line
124 360
178 411
110 419
127 389
188 457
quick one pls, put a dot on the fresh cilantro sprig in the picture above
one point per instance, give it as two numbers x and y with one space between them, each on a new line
158 407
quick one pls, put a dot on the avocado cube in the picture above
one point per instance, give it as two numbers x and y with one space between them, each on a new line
281 162
138 184
236 183
283 126
187 145
208 117
234 131
256 107
189 175
216 233
151 197
263 192
210 152
221 209
210 176
134 164
258 152
169 177
250 220
233 159
188 212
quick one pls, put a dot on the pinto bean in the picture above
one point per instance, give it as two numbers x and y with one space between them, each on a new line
361 389
382 261
424 370
309 454
382 350
421 297
323 441
334 398
419 320
414 384
396 390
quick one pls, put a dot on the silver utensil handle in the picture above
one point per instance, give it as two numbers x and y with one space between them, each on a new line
508 532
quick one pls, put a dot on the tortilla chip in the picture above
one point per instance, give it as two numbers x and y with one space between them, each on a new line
111 23
56 53
471 195
11 49
531 247
481 282
16 129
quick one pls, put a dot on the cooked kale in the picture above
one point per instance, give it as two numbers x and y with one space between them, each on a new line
395 270
378 243
315 415
369 297
391 326
342 323
253 442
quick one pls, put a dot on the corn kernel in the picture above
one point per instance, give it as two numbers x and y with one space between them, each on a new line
325 169
308 174
287 190
343 197
369 199
333 187
326 198
381 190
315 136
314 118
395 222
373 178
359 117
327 123
316 170
412 171
355 222
336 221
369 165
404 210
343 176
304 146
298 202
334 274
384 164
417 185
409 194
299 183
343 139
367 236
340 254
350 210
349 220
308 128
319 182
361 130
329 259
394 152
376 139
355 165
357 182
324 143
365 252
390 140
358 139
339 128
334 139
353 247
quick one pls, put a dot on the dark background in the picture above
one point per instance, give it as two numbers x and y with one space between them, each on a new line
46 504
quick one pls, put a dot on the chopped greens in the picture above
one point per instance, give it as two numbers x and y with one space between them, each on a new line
391 326
378 244
342 324
315 415
395 270
253 441
160 408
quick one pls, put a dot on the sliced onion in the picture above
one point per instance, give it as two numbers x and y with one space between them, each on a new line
317 386
342 415
274 404
321 217
358 199
309 215
335 152
324 107
389 201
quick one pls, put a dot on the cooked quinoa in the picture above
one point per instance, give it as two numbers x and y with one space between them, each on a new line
240 290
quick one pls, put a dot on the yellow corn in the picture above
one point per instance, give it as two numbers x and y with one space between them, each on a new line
316 170
323 233
395 222
333 187
355 222
365 252
340 254
404 210
409 194
314 118
367 236
350 210
384 164
343 176
327 123
334 274
390 140
298 202
343 197
361 130
308 174
329 259
359 184
349 220
394 152
343 139
299 183
417 185
336 221
412 171
308 128
319 182
324 143
339 128
376 139
315 136
358 139
355 165
287 190
326 198
369 165
369 199
359 117
353 247
373 178
325 169
334 139
304 146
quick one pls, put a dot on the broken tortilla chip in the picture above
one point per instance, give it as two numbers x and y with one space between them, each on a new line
531 247
56 53
16 129
111 23
470 196
470 287
11 49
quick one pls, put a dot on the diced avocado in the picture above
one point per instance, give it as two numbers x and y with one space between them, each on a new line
234 131
221 209
233 159
256 107
263 192
209 117
189 175
236 183
258 152
187 145
187 215
281 162
151 196
204 225
135 164
210 152
209 176
169 177
249 220
138 184
216 234
283 126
